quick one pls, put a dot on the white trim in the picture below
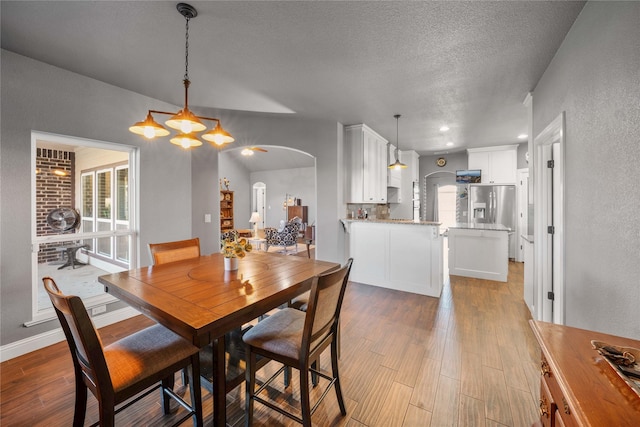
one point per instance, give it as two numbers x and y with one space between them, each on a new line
522 219
48 314
134 168
37 342
544 215
495 148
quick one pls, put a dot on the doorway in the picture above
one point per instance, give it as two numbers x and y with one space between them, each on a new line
439 198
259 202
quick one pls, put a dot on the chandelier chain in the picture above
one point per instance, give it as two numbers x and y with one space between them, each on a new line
186 48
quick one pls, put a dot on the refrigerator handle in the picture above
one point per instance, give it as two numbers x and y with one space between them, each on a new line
493 207
490 212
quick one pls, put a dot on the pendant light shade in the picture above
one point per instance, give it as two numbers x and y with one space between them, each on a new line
397 165
185 140
149 128
218 136
184 121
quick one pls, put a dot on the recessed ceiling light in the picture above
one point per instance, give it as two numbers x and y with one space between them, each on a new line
444 128
523 136
449 144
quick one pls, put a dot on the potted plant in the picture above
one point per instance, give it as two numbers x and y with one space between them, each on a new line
232 249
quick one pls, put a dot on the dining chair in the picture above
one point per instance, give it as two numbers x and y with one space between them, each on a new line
295 339
135 365
162 253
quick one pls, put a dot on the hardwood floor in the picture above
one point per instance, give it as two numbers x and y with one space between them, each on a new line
466 359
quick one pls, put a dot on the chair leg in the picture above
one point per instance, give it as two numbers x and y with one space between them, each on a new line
185 376
304 397
107 408
314 377
195 390
167 383
336 375
250 384
80 409
287 376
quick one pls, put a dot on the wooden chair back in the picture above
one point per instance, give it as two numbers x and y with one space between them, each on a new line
162 253
323 310
82 337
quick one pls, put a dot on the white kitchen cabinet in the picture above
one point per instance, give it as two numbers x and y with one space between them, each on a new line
366 157
498 164
401 256
394 176
404 192
479 253
413 162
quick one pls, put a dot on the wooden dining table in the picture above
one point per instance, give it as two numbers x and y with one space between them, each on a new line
199 300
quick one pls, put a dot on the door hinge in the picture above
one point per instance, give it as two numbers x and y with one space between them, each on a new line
551 296
550 164
551 229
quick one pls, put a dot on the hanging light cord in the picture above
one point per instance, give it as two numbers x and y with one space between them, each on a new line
397 140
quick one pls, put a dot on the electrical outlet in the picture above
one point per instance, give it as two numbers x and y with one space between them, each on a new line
98 310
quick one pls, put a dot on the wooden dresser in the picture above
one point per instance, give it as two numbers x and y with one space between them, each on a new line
577 386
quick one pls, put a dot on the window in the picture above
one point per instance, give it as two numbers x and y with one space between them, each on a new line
110 196
97 186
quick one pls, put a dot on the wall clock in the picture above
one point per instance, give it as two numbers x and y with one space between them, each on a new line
441 161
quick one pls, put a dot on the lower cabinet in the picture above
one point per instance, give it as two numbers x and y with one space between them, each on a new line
405 257
483 254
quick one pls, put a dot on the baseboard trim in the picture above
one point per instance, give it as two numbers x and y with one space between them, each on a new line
37 342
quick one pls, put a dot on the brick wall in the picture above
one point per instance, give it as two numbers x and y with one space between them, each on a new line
52 191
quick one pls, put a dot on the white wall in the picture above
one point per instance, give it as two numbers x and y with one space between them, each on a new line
595 78
298 182
320 138
37 96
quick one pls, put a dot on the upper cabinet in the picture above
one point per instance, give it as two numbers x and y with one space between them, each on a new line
404 192
394 176
498 164
366 157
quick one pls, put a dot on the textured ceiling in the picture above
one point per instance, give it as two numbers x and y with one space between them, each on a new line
465 64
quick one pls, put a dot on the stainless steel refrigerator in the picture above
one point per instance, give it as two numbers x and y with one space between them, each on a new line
494 204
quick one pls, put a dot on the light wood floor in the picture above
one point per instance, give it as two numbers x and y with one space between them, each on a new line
466 359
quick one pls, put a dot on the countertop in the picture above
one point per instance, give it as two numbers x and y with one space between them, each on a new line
492 227
391 221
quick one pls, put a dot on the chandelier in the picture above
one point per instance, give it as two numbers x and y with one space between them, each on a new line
397 165
184 121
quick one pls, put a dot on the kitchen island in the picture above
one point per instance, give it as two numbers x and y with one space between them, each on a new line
396 254
479 250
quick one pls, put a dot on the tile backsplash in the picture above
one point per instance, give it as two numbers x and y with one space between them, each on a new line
374 211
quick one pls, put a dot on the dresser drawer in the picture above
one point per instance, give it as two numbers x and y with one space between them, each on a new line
547 407
558 400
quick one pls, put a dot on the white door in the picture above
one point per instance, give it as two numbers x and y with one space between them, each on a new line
523 211
549 222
